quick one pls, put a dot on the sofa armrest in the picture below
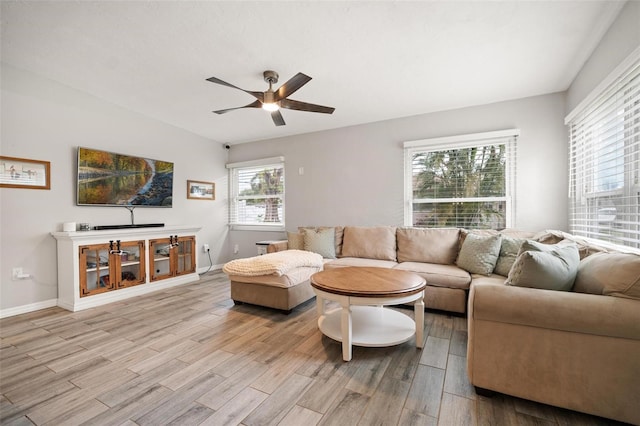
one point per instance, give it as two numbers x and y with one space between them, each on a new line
571 350
556 310
276 246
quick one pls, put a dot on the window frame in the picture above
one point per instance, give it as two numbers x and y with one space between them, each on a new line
500 137
234 197
593 129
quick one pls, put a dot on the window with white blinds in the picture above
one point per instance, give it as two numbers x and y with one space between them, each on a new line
257 193
604 155
463 181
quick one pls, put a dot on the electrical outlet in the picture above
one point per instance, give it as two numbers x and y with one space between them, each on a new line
17 273
236 249
205 248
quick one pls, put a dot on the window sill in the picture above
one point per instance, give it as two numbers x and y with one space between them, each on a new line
262 228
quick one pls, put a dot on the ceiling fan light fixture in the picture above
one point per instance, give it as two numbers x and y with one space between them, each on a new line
272 101
270 106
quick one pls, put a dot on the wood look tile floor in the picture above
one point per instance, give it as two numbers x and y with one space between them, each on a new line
188 356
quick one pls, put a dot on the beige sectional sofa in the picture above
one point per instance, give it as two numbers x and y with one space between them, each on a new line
429 252
577 349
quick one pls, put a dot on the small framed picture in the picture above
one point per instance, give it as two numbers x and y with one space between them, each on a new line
197 190
24 173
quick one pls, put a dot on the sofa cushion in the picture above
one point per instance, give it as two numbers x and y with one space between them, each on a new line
295 241
612 274
546 266
321 241
291 278
492 279
375 242
585 247
338 235
479 254
359 261
439 275
431 245
509 248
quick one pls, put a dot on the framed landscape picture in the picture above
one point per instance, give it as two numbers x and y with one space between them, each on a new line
24 173
197 190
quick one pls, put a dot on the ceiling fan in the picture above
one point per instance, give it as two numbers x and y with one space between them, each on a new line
272 100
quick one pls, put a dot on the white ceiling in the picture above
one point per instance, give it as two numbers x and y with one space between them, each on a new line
370 60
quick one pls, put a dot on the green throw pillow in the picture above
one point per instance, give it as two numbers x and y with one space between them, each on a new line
508 252
321 241
545 266
479 254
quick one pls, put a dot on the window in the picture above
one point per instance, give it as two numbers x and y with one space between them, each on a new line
257 194
604 155
462 181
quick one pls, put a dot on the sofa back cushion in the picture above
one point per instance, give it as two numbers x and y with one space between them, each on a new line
429 245
295 241
612 274
373 242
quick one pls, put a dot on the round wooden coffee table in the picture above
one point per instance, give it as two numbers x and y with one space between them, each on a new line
362 319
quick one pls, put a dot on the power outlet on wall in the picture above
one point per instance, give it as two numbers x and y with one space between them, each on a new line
236 249
18 274
205 248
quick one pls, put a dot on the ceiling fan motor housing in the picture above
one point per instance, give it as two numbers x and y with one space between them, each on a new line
270 77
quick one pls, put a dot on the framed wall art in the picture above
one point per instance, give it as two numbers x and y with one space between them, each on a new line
197 190
24 173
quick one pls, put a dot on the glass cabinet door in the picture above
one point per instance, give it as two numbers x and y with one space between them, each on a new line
171 256
95 270
132 264
160 259
185 257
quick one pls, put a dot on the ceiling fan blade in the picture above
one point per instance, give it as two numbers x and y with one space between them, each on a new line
254 104
277 118
257 95
294 83
304 106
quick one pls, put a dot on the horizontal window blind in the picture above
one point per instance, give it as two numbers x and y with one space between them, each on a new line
461 182
257 193
604 169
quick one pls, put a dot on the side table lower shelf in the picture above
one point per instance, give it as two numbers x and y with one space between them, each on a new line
371 326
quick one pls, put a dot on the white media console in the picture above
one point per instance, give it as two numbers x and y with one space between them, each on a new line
103 266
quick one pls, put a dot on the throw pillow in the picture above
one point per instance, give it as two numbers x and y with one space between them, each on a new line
509 249
337 229
295 241
321 241
545 266
479 254
612 274
370 242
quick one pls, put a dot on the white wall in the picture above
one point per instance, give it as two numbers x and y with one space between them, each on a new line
622 38
44 120
354 175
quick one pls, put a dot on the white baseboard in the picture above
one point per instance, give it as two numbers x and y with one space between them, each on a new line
32 307
25 309
213 268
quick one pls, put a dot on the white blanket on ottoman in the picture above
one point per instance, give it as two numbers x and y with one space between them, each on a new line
278 263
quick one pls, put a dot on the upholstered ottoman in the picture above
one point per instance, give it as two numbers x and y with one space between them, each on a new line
275 280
